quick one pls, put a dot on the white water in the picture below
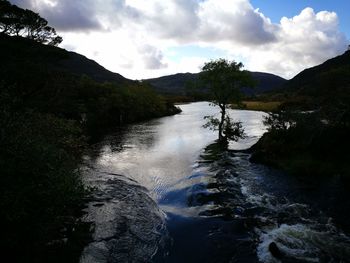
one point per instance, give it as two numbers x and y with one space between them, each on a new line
150 172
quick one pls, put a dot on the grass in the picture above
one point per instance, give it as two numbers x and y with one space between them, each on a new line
259 105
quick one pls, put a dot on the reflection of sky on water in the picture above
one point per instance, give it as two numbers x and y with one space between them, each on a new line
159 153
163 155
253 127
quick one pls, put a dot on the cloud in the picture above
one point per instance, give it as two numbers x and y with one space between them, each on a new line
65 15
133 37
210 21
303 41
152 57
184 21
236 21
172 19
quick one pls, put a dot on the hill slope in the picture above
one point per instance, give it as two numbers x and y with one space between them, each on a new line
52 80
176 84
17 51
322 79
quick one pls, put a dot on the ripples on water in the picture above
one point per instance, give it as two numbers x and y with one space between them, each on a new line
302 233
163 195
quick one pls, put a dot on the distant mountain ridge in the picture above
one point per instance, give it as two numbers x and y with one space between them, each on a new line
20 50
176 84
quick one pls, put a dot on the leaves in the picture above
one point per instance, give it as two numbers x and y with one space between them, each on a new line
233 130
212 124
225 78
15 21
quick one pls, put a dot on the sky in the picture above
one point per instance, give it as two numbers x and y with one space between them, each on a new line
150 38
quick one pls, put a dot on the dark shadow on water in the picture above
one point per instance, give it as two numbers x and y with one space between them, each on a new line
243 208
218 232
205 239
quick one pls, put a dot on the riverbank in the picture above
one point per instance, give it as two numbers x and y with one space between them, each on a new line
257 105
304 144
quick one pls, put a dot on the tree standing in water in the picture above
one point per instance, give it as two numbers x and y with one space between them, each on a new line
225 79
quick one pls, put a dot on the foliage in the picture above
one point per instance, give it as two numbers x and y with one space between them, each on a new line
304 143
46 117
40 186
231 130
15 21
280 121
212 123
309 134
44 123
225 79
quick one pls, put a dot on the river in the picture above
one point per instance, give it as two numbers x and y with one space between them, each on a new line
164 192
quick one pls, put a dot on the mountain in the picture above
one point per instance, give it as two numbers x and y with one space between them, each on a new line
319 81
172 84
266 82
176 84
16 52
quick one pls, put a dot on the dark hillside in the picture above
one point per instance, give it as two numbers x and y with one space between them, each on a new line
18 51
52 80
321 79
265 82
172 84
81 65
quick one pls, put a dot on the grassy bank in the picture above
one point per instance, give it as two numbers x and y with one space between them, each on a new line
261 105
266 106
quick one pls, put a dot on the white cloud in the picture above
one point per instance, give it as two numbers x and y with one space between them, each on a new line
132 37
236 21
65 15
151 57
302 41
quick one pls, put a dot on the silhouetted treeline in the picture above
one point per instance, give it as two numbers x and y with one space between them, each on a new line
15 21
47 114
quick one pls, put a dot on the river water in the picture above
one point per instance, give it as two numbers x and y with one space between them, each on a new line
165 192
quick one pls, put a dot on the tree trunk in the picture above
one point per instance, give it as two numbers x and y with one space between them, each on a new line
221 125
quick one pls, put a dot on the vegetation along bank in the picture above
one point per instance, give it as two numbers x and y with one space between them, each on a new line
52 101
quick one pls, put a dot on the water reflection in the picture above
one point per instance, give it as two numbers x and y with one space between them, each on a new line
155 159
165 180
159 154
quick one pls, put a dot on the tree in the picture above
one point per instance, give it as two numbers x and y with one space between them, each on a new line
224 79
7 17
15 21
